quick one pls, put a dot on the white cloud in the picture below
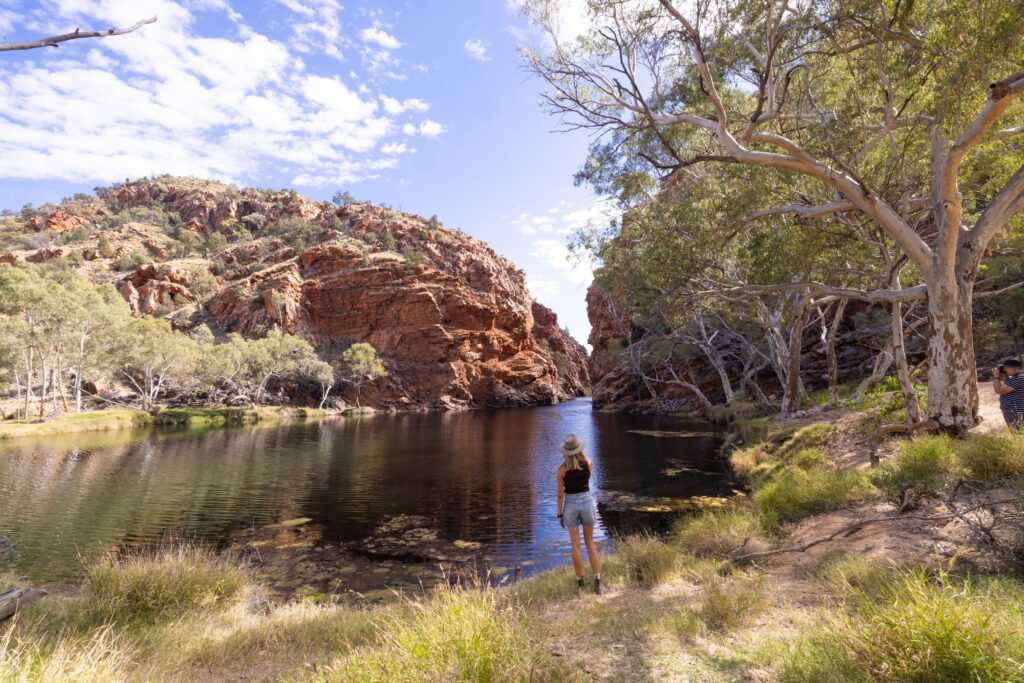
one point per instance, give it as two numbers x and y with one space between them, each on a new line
595 214
396 148
8 19
167 99
578 271
380 37
395 107
477 49
569 19
317 26
427 128
430 129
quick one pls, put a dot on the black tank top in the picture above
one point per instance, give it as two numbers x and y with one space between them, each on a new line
577 481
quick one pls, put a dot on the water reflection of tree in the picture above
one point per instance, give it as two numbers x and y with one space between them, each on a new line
56 499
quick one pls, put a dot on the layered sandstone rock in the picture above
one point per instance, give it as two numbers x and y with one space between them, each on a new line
453 320
153 287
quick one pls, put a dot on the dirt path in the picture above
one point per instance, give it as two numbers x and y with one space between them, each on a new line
988 409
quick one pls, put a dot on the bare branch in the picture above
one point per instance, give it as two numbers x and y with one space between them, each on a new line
54 41
818 289
1008 133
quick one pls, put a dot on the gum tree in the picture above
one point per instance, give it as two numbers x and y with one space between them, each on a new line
885 111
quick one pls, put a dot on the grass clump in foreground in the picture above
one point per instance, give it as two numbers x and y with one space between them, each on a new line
456 635
167 583
939 629
717 533
96 658
648 560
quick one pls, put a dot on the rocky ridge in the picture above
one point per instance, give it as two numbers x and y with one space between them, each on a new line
452 319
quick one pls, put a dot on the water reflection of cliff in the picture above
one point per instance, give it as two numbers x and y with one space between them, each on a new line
469 473
486 477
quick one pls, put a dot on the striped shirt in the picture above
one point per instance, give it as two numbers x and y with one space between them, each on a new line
1015 399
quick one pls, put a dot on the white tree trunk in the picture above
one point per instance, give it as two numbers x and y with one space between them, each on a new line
78 372
830 352
952 376
899 354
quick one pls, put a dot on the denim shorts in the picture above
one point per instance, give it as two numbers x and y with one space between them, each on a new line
1013 418
578 509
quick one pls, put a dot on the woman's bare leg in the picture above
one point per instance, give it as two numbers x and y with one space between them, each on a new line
595 560
577 554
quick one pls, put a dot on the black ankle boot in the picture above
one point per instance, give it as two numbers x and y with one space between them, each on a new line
597 585
579 583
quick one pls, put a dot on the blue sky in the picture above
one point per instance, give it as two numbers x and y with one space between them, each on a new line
423 106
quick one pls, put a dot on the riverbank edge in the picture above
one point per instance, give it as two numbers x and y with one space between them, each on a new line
118 419
673 604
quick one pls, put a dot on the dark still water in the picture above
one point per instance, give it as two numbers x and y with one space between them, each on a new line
484 478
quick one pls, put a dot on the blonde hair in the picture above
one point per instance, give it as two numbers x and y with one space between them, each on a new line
573 461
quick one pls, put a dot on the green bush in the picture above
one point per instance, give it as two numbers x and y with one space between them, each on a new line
926 464
162 584
750 462
994 456
795 493
729 604
929 629
814 435
717 532
648 560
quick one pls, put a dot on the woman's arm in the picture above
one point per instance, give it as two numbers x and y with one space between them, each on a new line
561 492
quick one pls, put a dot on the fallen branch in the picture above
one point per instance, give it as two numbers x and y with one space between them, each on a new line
904 428
857 526
16 598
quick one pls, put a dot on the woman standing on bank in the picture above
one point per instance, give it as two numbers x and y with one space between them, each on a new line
576 507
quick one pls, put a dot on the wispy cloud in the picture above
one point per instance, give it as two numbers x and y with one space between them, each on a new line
426 128
169 99
380 37
316 25
477 49
555 270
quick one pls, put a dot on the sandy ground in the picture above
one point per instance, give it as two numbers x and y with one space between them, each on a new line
988 409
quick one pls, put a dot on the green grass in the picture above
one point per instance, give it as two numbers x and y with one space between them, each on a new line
730 603
794 493
124 419
96 658
456 635
923 628
89 421
647 560
928 464
998 455
198 417
168 583
716 533
761 459
843 574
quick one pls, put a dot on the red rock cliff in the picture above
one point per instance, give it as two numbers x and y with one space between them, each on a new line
452 319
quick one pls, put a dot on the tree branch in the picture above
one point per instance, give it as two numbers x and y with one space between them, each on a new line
54 41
